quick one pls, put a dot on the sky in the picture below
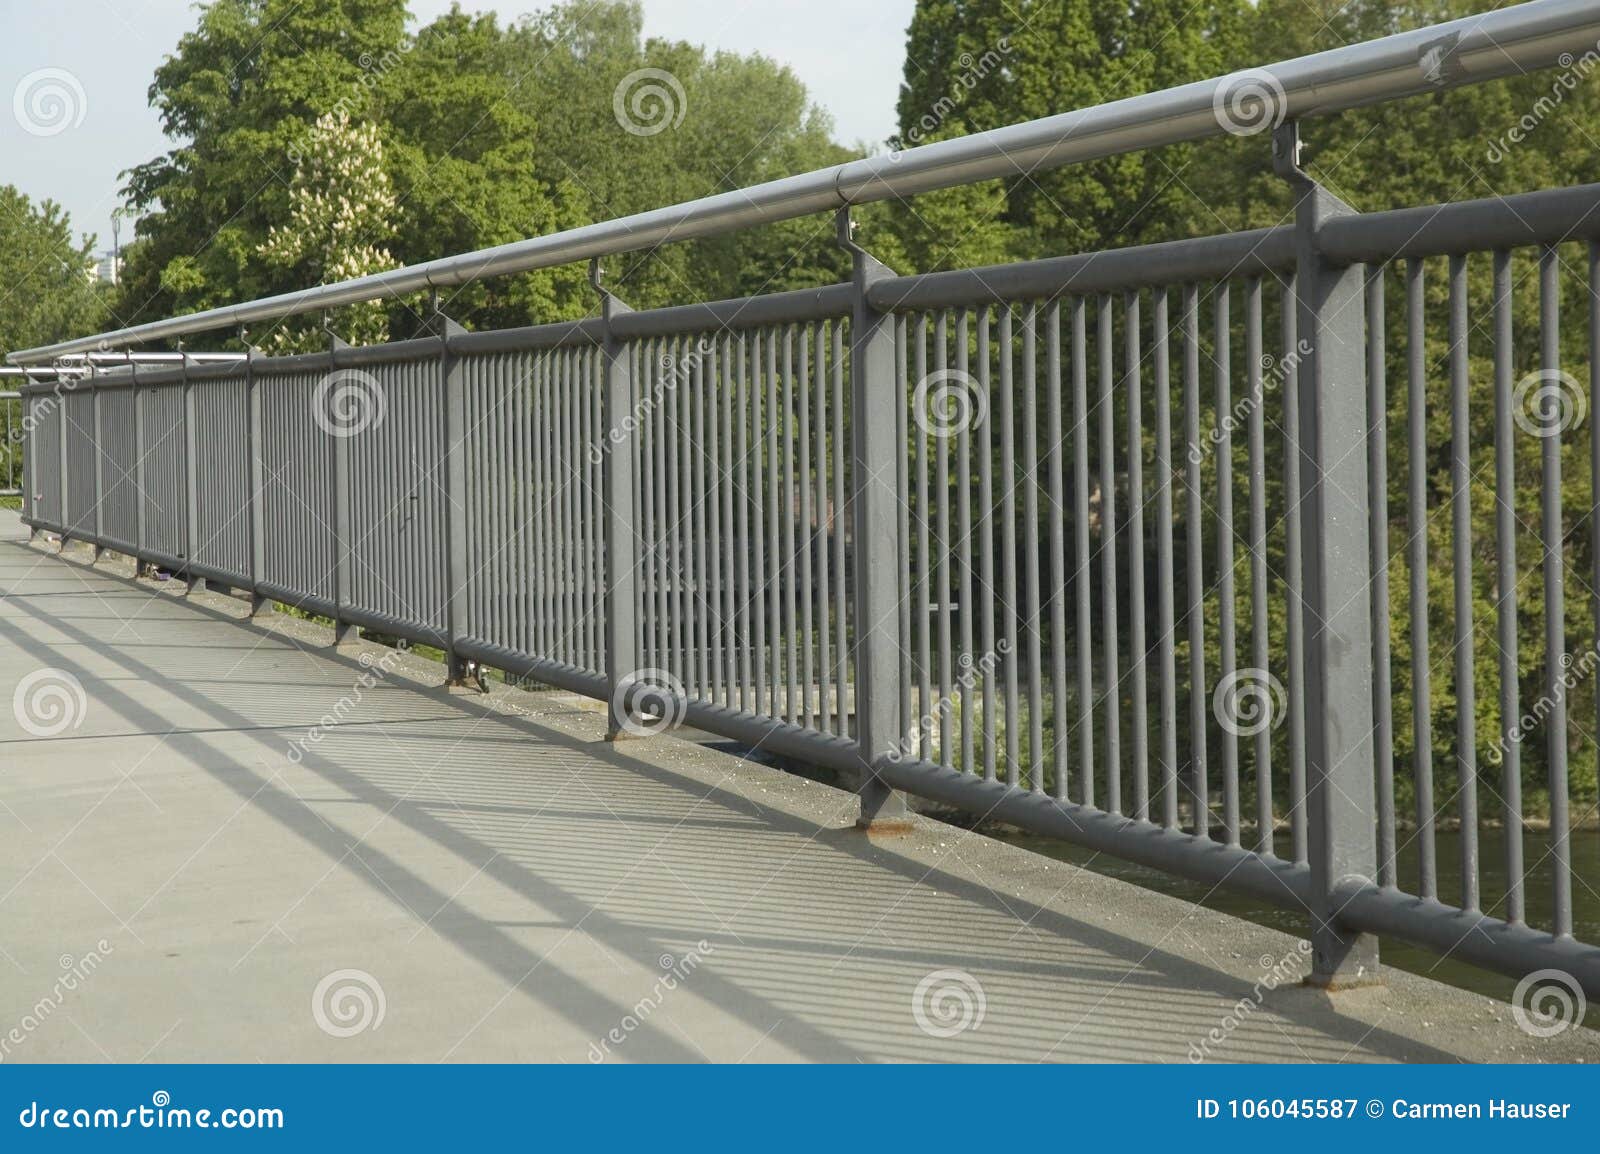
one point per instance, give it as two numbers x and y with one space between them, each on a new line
847 52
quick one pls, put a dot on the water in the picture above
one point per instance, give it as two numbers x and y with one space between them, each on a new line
1585 847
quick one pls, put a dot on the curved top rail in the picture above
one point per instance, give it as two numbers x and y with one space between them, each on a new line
1487 46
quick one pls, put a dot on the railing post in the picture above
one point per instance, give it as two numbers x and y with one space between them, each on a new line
1337 688
191 521
258 479
621 537
99 469
875 504
342 630
453 383
62 491
139 439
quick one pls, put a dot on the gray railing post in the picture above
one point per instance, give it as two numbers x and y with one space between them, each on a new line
1336 582
191 520
99 469
621 537
343 630
452 380
62 490
258 478
140 545
875 504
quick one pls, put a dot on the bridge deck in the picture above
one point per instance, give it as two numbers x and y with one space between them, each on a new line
521 890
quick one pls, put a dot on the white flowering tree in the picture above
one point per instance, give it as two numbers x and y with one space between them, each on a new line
341 216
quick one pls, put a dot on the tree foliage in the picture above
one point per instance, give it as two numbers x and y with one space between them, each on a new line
340 217
49 294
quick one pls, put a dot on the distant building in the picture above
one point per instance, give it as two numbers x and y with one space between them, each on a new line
106 268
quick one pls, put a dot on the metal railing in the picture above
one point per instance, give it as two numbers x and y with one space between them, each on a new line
11 448
968 535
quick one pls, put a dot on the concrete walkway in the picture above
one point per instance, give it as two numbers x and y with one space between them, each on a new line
184 875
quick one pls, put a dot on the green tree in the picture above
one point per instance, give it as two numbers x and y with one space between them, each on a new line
238 97
49 294
973 65
340 212
631 125
468 166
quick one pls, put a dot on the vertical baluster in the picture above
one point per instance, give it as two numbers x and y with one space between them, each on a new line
1222 355
1108 557
986 547
758 598
1506 577
728 474
1292 575
1378 529
905 429
716 627
1165 613
963 497
1260 643
1030 545
1461 544
666 516
702 510
1594 430
1058 550
924 608
807 534
1194 587
841 593
1553 401
786 572
941 538
832 707
1083 643
1137 649
1008 548
743 464
1417 528
775 562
